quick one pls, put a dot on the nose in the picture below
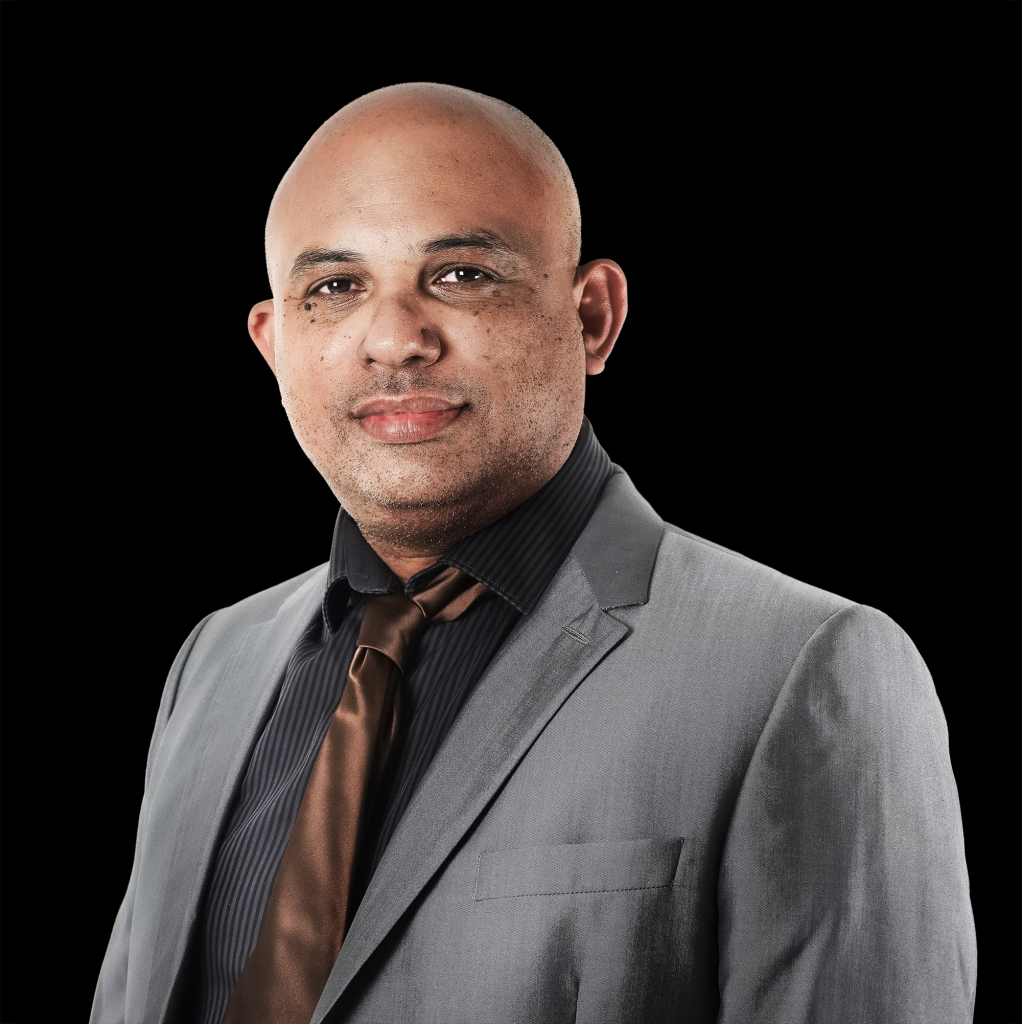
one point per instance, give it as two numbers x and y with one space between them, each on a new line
400 335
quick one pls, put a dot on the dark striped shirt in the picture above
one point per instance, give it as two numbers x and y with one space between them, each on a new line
516 557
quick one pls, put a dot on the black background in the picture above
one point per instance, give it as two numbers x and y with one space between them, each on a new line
819 367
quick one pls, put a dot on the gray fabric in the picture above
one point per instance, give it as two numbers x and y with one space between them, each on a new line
571 868
687 788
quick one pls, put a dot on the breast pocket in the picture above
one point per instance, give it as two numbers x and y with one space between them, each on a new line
577 868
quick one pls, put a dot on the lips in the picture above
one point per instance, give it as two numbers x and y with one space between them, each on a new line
405 419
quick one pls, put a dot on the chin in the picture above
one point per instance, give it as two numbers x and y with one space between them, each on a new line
456 483
415 488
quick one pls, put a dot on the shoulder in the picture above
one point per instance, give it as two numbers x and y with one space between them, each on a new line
290 600
751 599
208 648
630 556
267 604
697 601
754 642
817 668
703 581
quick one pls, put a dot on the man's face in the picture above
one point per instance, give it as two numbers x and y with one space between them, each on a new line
426 334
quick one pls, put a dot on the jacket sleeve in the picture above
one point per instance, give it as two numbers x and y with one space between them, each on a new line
843 893
108 1003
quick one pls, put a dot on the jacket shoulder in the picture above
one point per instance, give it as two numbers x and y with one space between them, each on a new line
266 604
213 641
732 580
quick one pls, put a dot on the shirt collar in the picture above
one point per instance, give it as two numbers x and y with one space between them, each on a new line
516 557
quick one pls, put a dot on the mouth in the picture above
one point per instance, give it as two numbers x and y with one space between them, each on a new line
406 419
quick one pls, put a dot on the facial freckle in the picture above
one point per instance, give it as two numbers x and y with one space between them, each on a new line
546 275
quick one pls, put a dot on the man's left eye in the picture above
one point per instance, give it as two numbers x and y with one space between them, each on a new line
462 275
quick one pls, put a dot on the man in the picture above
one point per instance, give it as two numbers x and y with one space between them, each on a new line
520 751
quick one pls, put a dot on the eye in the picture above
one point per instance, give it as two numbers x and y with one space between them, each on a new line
462 275
337 286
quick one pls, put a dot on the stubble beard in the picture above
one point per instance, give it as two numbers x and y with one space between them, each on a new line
434 504
428 495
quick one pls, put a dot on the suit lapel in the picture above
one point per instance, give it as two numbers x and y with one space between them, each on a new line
204 751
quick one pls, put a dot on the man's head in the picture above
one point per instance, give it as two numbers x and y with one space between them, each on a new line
431 328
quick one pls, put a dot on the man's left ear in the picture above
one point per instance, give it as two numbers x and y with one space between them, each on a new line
602 295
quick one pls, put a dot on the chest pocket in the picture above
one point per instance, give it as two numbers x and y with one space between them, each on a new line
577 868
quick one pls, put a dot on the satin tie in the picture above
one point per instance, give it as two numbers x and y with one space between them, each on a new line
309 909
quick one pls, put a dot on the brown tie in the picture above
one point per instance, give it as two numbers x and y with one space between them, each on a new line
309 909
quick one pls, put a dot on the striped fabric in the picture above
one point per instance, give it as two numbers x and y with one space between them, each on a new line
516 557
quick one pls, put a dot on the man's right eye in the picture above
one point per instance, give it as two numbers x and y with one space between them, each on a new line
336 286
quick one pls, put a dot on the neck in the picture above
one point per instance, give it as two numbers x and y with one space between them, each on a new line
409 540
403 566
413 540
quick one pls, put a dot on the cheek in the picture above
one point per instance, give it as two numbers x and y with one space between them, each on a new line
307 352
549 343
523 324
303 381
536 363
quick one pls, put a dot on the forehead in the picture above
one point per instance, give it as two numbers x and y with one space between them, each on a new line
394 183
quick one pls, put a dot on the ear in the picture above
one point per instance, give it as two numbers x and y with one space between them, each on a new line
260 326
601 292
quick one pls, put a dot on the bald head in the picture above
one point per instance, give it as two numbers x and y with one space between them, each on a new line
431 328
454 144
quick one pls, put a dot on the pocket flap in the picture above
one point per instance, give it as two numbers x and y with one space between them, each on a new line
585 867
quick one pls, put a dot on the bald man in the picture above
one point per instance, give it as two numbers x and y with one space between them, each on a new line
519 751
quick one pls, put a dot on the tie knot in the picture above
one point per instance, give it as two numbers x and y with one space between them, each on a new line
392 622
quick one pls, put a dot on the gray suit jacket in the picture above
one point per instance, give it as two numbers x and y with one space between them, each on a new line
687 788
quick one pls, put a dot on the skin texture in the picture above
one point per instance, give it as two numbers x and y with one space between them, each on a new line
432 344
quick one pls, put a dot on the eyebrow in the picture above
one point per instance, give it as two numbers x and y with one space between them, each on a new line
480 239
314 257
